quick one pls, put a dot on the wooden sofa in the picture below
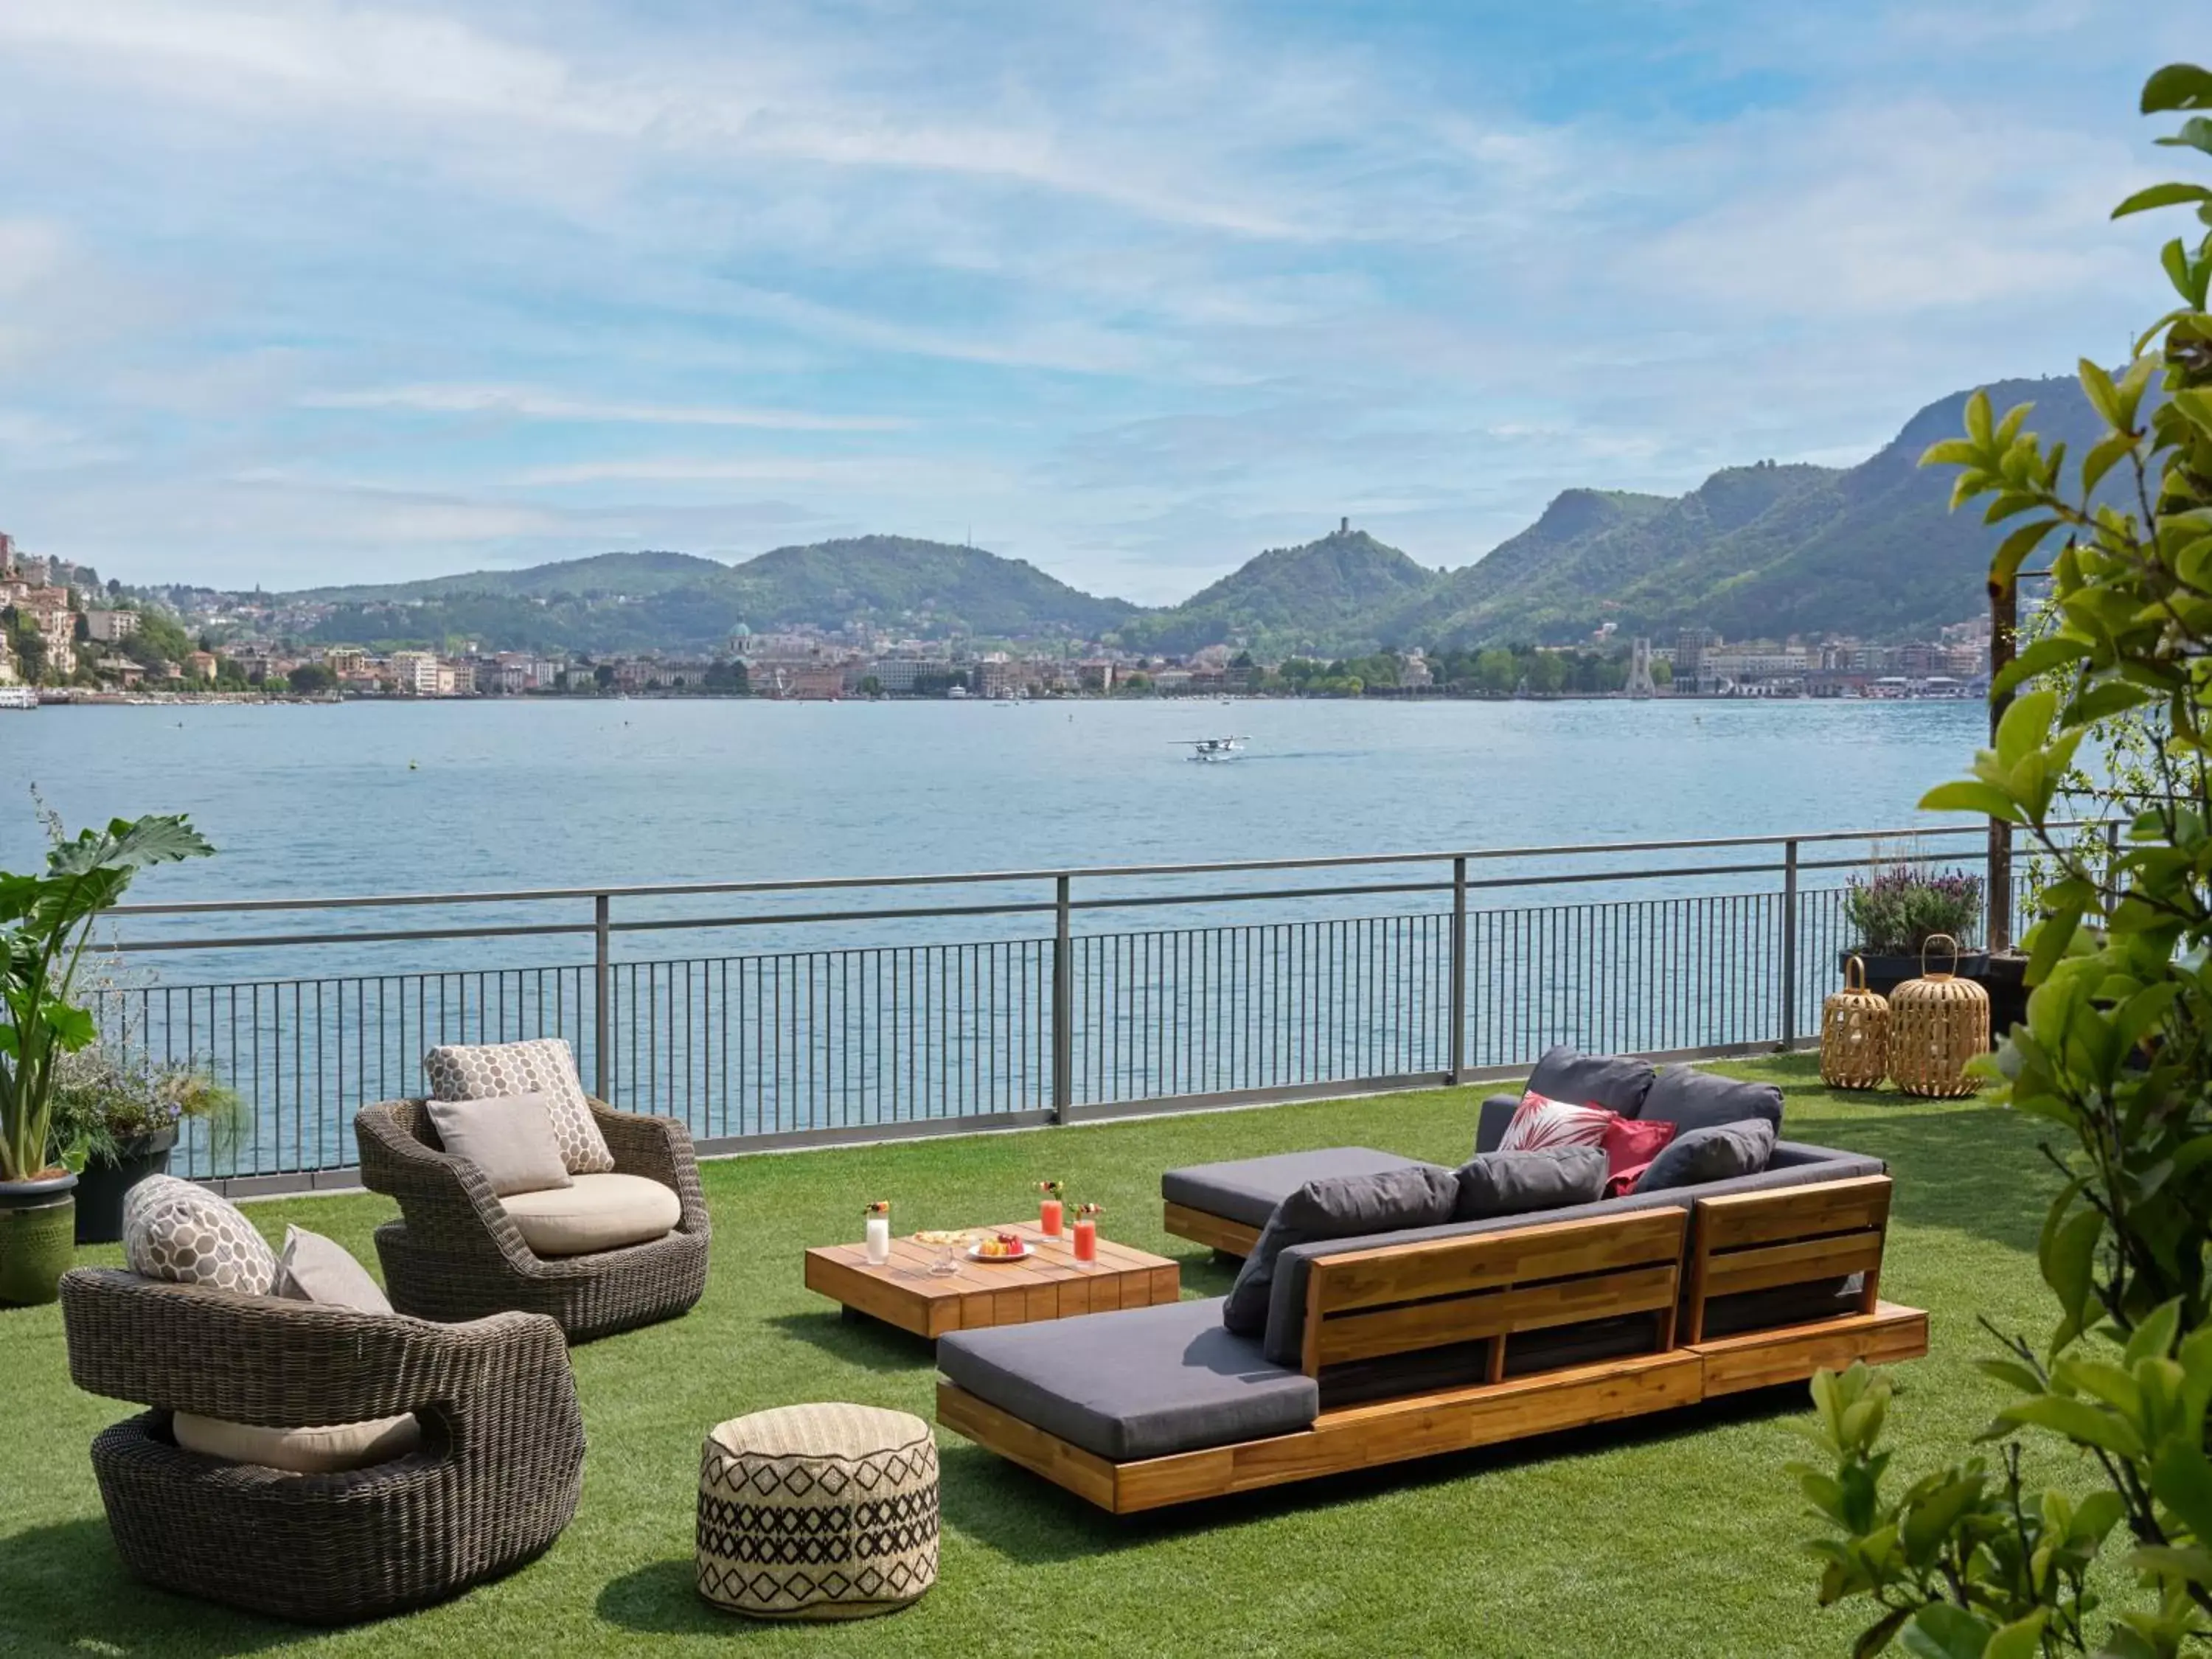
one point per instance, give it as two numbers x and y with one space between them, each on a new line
1379 1351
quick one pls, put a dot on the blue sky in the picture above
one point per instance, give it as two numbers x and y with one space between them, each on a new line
307 291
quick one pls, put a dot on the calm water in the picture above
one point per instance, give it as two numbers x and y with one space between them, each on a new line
394 798
744 1031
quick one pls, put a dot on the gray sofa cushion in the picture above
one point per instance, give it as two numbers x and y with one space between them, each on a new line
1518 1183
1615 1082
1417 1195
1142 1383
1721 1152
1691 1099
1793 1164
1249 1189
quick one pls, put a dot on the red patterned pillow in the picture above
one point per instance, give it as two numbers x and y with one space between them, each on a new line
1630 1143
1541 1124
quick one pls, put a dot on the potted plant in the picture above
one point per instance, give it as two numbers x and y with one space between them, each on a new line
1899 908
116 1121
45 923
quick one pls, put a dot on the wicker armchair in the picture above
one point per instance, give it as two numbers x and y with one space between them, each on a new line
493 1483
455 1254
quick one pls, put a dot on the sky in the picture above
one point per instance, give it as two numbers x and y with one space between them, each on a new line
307 292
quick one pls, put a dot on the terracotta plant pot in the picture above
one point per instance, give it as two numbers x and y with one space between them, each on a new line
101 1188
38 1237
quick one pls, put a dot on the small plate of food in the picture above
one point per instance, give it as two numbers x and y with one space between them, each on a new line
999 1247
956 1237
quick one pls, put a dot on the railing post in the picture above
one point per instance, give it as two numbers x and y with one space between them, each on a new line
1063 1005
1788 945
602 989
1459 968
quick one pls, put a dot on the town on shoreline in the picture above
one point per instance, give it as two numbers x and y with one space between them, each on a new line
66 638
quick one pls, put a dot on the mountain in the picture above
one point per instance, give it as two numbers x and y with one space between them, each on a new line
673 601
604 575
1764 550
1767 550
1317 597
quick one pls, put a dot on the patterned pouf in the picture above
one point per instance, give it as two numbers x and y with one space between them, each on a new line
825 1511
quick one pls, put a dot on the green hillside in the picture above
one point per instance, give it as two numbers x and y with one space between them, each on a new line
1764 550
608 574
1324 596
1872 550
673 601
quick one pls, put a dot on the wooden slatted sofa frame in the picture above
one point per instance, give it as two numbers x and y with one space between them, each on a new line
1669 1264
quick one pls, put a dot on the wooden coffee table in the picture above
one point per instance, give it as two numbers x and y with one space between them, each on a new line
1049 1284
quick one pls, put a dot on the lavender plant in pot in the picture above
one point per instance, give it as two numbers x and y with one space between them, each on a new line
45 924
1898 908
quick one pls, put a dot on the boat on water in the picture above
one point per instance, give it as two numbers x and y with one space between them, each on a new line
18 696
1215 749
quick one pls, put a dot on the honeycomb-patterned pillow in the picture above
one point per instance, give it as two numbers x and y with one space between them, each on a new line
175 1230
543 1065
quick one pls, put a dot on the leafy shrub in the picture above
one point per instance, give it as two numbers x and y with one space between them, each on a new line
2115 1057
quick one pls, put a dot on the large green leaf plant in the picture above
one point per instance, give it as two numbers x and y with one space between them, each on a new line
2115 1057
45 923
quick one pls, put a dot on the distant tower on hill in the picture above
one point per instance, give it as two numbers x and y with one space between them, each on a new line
1344 525
1639 671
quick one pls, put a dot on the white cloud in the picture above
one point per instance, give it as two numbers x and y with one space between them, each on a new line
526 403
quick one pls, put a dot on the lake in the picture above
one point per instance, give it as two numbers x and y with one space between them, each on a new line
807 1027
385 797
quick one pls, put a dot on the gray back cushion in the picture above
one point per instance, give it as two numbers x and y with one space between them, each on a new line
1344 1206
1794 1165
1612 1081
1518 1183
1691 1099
1721 1152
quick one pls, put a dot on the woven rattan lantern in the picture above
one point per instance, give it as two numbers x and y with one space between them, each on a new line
1854 1033
1937 1022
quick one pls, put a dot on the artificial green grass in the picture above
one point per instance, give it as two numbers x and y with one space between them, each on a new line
1676 1535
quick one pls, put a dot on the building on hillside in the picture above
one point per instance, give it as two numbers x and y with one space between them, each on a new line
121 669
344 660
47 610
110 626
8 672
201 666
1414 673
1095 674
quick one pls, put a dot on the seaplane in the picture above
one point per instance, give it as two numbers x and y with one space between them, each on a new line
1215 749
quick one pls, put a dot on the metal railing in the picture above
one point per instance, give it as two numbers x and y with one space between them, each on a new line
809 1025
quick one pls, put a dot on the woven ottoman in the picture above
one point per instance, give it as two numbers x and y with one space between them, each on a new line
824 1511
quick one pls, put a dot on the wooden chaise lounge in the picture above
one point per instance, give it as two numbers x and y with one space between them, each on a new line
1225 1206
1405 1345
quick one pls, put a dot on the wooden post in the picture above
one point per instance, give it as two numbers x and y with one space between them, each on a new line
2004 626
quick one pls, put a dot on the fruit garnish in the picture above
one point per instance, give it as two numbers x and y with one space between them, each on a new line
881 1207
1092 1210
1052 1188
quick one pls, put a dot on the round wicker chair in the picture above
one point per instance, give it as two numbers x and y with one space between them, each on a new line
456 1255
493 1481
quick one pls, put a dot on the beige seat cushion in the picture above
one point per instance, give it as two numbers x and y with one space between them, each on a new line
598 1213
324 1451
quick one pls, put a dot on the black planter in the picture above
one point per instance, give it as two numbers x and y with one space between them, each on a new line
2005 978
101 1188
1885 974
